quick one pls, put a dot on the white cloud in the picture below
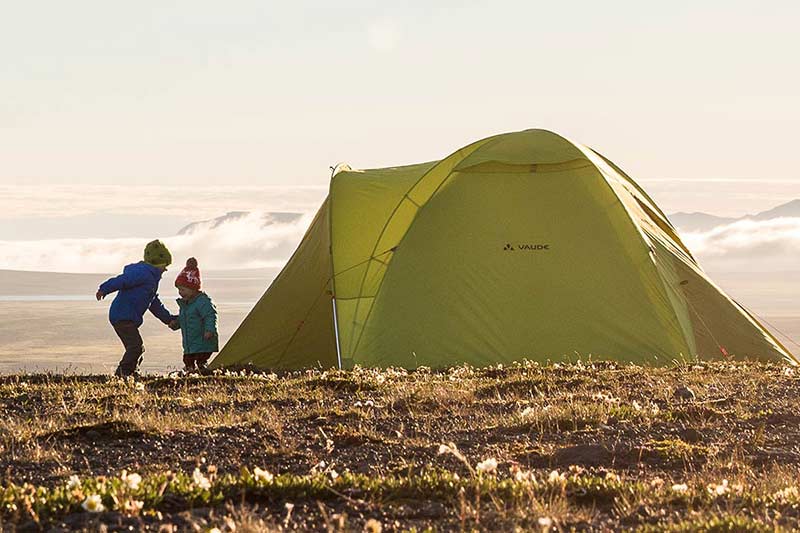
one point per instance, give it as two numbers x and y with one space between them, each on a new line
241 243
746 245
749 245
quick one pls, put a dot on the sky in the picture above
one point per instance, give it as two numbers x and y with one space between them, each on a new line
125 121
257 93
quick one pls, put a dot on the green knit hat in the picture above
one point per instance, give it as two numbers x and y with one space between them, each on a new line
156 254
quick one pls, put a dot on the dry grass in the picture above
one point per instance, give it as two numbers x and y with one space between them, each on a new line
348 447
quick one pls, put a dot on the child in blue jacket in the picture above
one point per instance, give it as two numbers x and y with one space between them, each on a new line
137 289
197 319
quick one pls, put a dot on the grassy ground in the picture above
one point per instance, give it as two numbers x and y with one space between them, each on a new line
709 447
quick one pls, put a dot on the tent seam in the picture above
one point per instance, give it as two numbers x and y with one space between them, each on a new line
641 233
480 144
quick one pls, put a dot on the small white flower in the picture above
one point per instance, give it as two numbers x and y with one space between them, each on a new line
93 504
373 526
487 466
718 489
334 474
133 506
74 482
262 475
521 475
200 480
131 480
680 488
788 493
444 448
545 521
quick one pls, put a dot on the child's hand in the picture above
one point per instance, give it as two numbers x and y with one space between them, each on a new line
208 335
174 325
100 295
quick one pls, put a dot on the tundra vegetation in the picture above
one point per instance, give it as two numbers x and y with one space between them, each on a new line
584 446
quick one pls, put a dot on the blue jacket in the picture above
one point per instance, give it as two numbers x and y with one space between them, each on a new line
138 292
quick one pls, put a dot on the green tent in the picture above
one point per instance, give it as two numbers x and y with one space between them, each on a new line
521 245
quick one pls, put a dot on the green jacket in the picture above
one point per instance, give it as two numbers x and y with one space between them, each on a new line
197 316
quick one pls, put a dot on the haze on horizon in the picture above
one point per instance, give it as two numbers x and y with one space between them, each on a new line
261 93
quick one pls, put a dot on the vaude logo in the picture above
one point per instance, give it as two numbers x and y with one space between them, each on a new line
525 247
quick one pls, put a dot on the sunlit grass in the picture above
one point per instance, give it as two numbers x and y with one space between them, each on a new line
538 447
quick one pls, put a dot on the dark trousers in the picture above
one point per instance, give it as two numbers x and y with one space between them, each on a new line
128 333
196 361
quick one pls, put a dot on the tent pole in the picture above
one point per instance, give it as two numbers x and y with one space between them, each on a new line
336 332
334 169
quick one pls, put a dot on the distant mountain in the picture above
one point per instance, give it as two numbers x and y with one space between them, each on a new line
698 221
694 222
787 210
268 219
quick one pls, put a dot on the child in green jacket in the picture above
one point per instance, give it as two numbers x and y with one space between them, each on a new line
197 319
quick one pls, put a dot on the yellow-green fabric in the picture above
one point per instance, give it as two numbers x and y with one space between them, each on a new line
291 326
361 203
521 245
506 303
